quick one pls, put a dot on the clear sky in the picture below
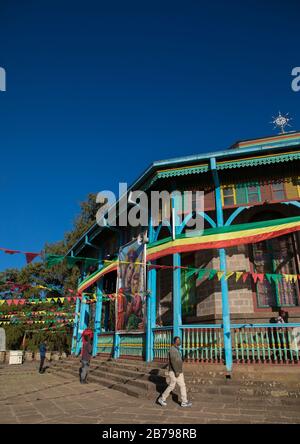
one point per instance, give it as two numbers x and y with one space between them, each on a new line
97 90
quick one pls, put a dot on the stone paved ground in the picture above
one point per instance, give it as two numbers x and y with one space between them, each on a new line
28 397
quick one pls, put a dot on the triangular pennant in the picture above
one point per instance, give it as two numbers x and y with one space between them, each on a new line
269 276
228 274
53 259
212 274
220 274
31 256
245 276
238 274
201 273
277 278
257 276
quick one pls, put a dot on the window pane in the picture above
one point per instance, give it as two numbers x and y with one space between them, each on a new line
228 192
253 197
278 191
277 186
228 200
278 195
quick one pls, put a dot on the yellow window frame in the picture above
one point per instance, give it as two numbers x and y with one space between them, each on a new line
226 187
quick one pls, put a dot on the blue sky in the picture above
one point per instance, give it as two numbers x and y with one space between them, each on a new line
98 90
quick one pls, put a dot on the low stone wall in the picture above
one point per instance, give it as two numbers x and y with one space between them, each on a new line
29 356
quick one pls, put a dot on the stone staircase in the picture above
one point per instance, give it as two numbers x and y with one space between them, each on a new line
204 382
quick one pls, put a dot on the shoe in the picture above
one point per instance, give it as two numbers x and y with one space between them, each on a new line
186 404
162 402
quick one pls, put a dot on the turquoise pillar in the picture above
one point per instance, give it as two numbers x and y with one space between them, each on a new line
75 329
177 319
98 314
223 267
151 313
151 302
177 309
83 322
117 346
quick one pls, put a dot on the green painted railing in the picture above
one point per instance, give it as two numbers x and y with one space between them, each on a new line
105 343
162 341
266 344
132 345
202 344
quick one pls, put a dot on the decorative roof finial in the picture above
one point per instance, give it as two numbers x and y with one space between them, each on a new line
281 121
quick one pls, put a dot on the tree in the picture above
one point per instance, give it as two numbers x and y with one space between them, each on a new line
59 276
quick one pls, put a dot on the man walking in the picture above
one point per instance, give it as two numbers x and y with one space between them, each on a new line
43 349
85 358
175 375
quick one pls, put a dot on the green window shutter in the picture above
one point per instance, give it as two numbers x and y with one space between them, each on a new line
241 194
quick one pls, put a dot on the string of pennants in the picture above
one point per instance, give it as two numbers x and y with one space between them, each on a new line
45 321
4 314
88 298
211 273
244 275
30 256
17 287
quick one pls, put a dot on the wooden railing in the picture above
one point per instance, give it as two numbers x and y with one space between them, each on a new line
266 343
162 341
202 343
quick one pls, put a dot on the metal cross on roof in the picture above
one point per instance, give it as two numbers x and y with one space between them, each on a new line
281 121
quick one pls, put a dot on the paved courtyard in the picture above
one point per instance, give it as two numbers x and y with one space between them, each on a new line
28 397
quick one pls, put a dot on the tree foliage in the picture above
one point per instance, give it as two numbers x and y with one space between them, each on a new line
59 276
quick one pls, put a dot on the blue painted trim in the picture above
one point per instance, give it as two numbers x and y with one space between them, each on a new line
292 325
163 328
293 202
177 320
98 314
83 322
234 215
75 329
157 231
201 326
151 314
199 213
117 343
223 267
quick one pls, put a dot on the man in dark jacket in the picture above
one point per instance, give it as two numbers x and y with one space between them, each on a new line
175 375
43 349
85 358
